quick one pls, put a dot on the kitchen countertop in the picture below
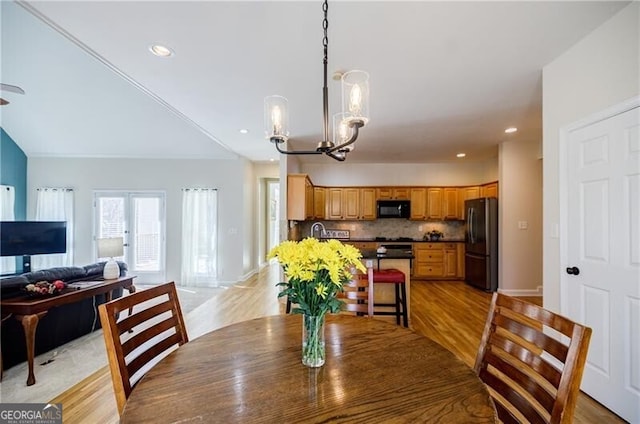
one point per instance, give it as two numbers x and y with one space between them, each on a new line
391 254
400 241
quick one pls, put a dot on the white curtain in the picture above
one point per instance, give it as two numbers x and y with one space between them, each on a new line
55 204
199 236
7 213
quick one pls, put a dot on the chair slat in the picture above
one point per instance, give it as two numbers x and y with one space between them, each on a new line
529 385
534 336
130 322
539 365
513 397
148 334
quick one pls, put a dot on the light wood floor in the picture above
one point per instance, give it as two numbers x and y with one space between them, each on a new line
451 313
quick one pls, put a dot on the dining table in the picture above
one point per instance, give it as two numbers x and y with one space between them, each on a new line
251 372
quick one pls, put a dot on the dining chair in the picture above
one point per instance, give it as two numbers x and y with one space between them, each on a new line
532 361
357 294
140 339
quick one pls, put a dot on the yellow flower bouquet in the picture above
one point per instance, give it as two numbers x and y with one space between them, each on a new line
316 272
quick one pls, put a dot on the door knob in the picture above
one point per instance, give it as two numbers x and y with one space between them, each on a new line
573 270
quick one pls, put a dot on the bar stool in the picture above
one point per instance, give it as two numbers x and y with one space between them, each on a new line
396 277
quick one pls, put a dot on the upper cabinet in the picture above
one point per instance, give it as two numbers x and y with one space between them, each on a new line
350 203
299 197
319 203
393 193
450 203
368 203
434 203
466 193
418 197
489 190
307 202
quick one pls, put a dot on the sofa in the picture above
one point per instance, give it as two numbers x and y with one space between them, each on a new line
61 324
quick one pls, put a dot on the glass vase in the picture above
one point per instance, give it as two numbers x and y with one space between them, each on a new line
313 353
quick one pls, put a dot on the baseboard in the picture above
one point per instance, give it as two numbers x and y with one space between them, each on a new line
518 293
248 275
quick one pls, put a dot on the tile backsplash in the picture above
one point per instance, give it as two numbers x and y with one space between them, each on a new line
389 228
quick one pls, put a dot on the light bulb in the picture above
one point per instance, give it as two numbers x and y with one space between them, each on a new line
276 120
355 100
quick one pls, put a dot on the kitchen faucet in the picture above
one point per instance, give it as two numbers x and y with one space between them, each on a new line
318 224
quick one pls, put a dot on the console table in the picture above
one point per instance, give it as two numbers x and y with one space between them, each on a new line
29 310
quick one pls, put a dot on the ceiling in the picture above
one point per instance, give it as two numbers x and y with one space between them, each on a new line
446 77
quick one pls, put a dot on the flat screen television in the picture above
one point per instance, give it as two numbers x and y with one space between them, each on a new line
19 238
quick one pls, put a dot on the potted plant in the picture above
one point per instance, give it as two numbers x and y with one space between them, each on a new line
434 235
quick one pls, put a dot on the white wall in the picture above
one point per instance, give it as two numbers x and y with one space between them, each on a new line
520 258
600 71
229 177
461 173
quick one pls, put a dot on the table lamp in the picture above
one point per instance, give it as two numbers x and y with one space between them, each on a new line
111 248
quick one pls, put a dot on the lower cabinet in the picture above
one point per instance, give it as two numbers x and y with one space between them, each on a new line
437 261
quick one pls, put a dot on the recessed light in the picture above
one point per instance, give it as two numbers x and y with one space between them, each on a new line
461 155
244 131
160 50
511 130
272 160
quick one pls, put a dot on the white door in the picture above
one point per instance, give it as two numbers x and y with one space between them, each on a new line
603 244
139 217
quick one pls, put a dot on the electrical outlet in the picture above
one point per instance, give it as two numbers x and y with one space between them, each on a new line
523 225
419 227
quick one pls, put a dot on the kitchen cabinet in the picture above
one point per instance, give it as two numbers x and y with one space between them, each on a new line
450 207
418 197
300 205
319 203
434 203
437 260
350 203
368 203
363 244
489 190
334 203
466 193
393 193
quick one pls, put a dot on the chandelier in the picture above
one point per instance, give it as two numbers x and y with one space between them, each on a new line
354 115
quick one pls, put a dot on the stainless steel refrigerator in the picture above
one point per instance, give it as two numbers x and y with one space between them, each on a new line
481 243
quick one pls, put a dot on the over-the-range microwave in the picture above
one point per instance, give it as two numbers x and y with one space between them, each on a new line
394 209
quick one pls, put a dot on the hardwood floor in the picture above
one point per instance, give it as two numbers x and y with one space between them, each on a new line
451 313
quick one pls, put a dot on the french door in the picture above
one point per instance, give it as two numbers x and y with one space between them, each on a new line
138 217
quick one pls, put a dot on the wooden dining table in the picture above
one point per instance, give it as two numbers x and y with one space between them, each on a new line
251 372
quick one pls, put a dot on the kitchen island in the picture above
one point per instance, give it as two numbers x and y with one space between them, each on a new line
399 259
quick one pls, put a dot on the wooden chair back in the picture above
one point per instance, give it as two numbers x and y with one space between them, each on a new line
357 294
532 376
139 340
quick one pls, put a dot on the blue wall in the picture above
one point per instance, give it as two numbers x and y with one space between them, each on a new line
13 172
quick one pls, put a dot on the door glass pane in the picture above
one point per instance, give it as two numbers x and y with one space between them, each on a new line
146 234
111 218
